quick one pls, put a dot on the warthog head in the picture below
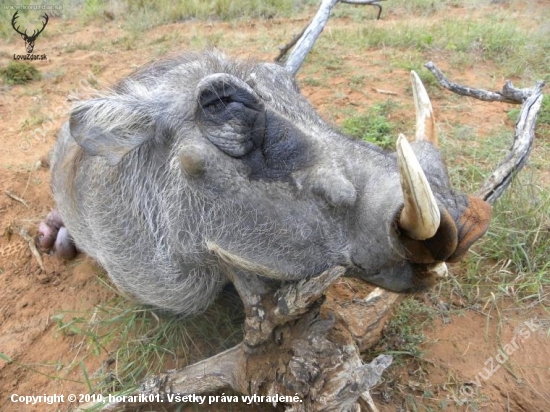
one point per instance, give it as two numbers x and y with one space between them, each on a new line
199 164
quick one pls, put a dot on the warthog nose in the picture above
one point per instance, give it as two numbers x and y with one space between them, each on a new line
472 224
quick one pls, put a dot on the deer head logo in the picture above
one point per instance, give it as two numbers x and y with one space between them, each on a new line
29 40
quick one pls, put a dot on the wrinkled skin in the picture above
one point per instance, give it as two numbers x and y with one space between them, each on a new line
198 164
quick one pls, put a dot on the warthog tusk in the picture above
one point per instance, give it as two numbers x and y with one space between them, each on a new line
425 122
420 216
439 269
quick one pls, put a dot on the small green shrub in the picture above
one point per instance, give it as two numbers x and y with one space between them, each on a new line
373 127
19 73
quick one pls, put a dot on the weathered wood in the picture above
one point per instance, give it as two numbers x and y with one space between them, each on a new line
25 235
278 307
283 50
363 309
508 94
209 375
311 33
314 355
524 136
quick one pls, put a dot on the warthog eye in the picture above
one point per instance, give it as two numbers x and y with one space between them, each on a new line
233 117
217 105
230 114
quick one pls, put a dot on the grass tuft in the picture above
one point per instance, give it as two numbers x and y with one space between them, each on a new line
135 341
19 73
374 126
512 258
403 334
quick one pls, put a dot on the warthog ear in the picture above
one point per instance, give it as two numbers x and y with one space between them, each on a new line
112 126
230 114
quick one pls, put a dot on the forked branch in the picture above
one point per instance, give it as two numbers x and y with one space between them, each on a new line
508 94
524 136
307 38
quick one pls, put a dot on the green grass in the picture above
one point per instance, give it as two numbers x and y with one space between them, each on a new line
403 335
19 73
512 258
373 126
517 51
140 15
135 341
144 14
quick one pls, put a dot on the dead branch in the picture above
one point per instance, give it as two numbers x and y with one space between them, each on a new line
508 94
307 38
312 352
384 92
283 50
311 33
524 136
25 235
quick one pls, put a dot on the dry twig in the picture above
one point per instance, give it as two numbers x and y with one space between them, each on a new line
25 235
16 198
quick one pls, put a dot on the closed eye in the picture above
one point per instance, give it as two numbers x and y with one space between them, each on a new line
218 104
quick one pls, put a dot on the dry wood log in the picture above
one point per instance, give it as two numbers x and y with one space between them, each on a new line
314 356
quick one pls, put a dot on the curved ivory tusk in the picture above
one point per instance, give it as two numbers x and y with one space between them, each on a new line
420 217
425 122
